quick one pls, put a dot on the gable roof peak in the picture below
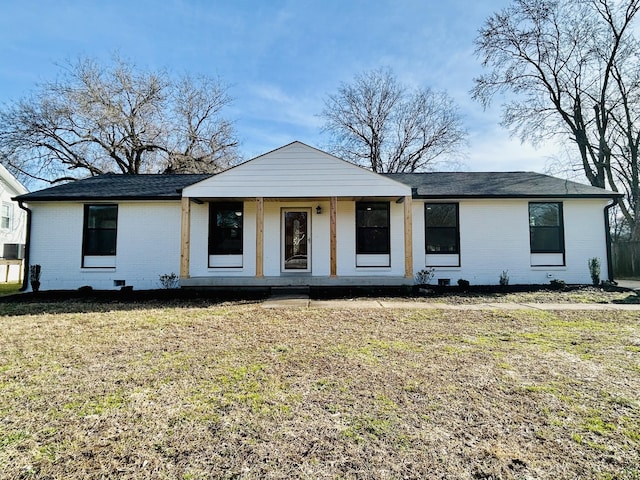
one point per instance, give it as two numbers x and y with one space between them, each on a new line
296 170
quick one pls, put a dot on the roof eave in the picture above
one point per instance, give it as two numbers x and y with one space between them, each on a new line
66 198
503 196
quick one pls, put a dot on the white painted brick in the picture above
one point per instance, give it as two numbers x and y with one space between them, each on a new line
494 236
148 245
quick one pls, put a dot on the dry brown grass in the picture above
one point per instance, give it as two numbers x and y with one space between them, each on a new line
237 391
583 294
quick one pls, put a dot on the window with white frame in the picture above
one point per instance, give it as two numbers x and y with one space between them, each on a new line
442 233
545 227
546 234
225 228
372 228
100 229
373 234
226 221
6 220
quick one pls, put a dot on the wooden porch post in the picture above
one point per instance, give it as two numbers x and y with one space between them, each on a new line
259 237
333 244
185 237
408 237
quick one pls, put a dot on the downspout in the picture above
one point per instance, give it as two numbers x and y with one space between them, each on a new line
27 247
607 232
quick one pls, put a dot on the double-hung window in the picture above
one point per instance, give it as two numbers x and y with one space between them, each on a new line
373 240
546 233
441 228
225 234
99 236
442 234
6 216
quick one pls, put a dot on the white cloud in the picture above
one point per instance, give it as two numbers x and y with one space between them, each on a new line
272 103
500 152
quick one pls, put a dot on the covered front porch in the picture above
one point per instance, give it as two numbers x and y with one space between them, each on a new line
317 248
296 216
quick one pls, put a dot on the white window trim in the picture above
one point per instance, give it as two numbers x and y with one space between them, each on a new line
9 207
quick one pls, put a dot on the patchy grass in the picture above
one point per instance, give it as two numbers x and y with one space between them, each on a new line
9 288
487 294
584 294
237 391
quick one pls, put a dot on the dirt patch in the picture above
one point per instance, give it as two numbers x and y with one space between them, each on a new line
236 391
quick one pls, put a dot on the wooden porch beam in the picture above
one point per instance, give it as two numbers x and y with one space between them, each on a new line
185 237
333 243
259 237
408 237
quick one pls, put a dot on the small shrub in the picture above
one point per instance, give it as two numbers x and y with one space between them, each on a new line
34 276
557 284
85 289
424 276
462 283
504 278
594 270
169 281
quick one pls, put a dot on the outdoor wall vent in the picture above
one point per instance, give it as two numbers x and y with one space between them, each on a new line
444 282
119 283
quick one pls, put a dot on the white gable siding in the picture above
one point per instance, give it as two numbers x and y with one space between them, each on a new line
494 236
296 171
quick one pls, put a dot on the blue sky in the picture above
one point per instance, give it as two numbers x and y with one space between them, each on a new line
280 58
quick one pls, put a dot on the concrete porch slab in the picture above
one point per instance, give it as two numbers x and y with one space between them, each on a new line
296 280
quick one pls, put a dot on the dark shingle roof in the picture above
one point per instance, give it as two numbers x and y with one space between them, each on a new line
424 185
495 185
119 187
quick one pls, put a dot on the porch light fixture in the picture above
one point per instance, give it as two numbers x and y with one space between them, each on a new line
318 209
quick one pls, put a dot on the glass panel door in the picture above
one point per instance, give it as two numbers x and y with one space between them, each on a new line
295 241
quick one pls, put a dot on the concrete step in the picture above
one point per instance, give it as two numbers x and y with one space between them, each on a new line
290 291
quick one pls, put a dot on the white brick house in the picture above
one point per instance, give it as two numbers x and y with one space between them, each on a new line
299 216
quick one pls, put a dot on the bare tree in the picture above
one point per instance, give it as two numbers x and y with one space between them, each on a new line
95 120
571 68
377 123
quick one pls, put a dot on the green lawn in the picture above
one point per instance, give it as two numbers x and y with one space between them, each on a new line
237 391
9 288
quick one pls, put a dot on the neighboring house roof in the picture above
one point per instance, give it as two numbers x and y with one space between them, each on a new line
438 185
119 187
12 182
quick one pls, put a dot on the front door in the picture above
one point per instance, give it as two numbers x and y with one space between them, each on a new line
296 251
